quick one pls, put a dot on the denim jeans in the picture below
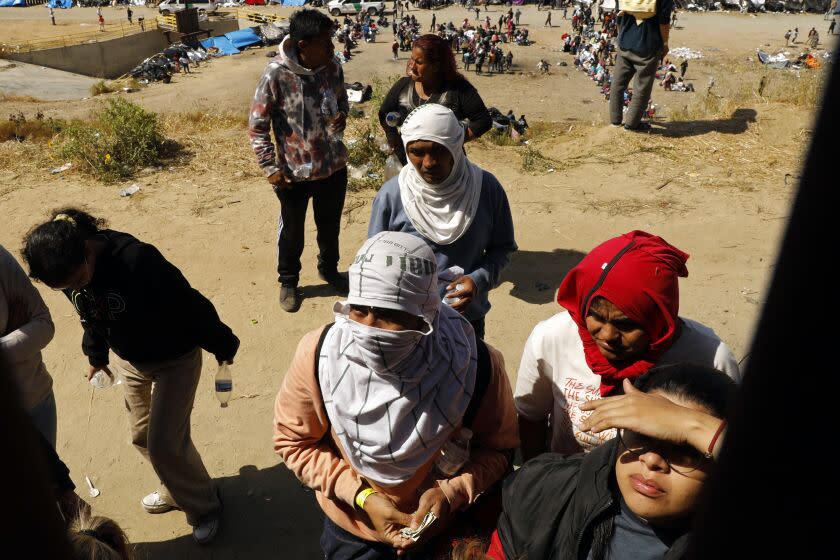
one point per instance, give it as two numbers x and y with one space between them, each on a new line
338 544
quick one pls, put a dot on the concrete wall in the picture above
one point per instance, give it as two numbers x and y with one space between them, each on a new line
113 58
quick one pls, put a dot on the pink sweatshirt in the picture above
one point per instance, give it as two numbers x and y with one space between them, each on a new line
301 422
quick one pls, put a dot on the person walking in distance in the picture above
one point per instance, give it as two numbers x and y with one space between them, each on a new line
434 21
831 26
52 16
301 96
548 19
129 14
101 22
683 67
643 32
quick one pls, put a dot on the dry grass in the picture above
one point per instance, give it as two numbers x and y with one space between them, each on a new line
735 86
203 120
12 98
37 129
636 206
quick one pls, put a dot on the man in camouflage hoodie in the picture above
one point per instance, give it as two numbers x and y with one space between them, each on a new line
301 95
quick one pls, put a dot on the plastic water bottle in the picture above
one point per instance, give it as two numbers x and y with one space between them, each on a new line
450 300
454 454
102 380
392 119
224 384
329 109
393 166
302 171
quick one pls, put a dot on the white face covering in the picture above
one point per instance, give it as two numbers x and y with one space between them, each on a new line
441 212
384 351
395 397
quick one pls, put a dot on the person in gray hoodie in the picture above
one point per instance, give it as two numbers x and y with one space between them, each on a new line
301 96
25 329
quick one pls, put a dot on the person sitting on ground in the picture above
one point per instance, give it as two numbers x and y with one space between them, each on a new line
370 400
433 78
121 289
461 210
644 484
618 321
98 538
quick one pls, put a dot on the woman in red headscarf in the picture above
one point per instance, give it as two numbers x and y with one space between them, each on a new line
620 318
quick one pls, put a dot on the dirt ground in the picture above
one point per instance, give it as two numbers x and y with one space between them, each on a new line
718 188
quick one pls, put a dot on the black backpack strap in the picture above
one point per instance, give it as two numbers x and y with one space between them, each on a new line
482 381
321 340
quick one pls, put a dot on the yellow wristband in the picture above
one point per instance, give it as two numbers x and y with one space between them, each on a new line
362 496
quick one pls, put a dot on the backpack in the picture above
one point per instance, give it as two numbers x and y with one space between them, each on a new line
639 9
482 376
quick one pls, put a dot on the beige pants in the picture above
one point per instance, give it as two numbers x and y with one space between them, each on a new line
159 398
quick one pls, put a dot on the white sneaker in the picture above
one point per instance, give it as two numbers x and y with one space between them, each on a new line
154 503
205 531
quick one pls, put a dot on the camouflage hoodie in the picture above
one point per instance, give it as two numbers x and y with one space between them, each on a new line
288 98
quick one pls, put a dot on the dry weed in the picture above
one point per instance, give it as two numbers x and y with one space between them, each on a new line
635 206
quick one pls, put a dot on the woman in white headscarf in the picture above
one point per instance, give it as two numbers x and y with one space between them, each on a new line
460 210
370 400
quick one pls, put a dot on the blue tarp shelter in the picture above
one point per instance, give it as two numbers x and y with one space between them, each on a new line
243 38
294 2
12 3
222 43
63 4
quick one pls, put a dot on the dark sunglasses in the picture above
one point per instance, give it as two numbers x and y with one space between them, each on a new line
683 459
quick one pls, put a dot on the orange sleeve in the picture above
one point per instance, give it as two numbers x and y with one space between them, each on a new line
300 424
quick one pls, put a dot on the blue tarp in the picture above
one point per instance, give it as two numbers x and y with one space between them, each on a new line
12 3
64 4
293 2
243 38
222 43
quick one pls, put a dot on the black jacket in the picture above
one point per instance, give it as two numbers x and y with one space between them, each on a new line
552 504
458 95
141 307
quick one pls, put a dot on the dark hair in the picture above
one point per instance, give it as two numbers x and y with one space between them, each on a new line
438 51
307 24
700 384
55 248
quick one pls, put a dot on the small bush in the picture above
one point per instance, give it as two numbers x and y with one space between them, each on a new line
99 88
120 140
19 128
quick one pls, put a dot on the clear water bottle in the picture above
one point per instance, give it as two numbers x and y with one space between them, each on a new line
392 119
224 384
329 109
102 380
454 454
393 166
302 171
450 300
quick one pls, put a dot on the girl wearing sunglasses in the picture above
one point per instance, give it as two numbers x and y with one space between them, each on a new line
634 496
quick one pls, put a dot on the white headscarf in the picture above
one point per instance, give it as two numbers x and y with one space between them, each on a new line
395 397
442 212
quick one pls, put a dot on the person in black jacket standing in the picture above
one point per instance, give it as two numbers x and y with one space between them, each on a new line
433 78
632 497
134 302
